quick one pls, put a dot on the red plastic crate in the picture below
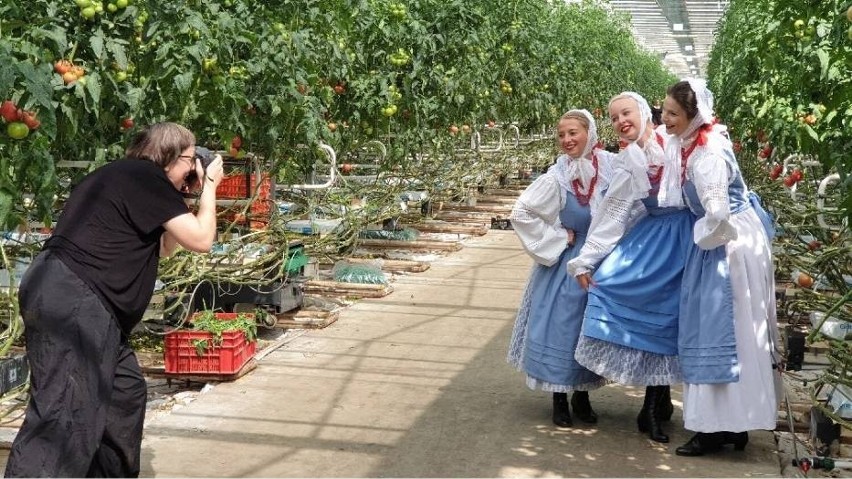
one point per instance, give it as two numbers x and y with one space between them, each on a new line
181 356
234 186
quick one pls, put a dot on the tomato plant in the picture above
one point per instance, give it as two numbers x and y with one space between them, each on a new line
780 69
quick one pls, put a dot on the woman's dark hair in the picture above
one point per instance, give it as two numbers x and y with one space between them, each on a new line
682 93
161 143
656 116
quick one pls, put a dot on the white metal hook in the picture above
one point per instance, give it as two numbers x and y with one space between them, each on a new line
823 185
332 160
516 135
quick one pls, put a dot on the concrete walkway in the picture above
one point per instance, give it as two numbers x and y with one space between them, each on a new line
416 385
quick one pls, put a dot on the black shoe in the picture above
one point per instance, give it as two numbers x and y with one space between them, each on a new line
737 439
649 419
582 407
561 410
702 443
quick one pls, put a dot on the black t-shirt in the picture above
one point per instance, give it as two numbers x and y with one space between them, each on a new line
109 233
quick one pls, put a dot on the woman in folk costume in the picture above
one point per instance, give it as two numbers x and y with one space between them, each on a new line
639 249
551 218
728 329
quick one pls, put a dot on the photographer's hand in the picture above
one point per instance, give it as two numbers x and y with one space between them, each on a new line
214 174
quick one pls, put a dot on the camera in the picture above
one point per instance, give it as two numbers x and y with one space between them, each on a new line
206 157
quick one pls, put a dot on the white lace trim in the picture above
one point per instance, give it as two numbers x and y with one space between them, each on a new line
627 366
534 384
517 344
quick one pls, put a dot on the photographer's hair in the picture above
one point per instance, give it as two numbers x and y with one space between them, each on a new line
682 93
161 143
576 115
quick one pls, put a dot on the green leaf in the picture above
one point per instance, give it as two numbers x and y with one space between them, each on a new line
823 63
118 54
810 131
96 43
93 86
183 81
5 205
37 85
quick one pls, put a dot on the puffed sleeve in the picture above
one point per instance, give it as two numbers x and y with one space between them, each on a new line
535 219
605 172
615 214
711 175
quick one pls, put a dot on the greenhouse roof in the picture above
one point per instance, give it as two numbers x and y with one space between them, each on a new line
680 31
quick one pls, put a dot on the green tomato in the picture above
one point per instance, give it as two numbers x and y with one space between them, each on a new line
88 13
111 7
208 65
799 24
120 76
17 130
121 3
83 3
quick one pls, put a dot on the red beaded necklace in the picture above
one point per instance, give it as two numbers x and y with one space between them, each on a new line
700 139
656 178
575 184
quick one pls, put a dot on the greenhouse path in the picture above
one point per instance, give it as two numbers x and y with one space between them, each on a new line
416 385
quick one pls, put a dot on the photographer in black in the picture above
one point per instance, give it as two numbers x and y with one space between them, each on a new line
88 288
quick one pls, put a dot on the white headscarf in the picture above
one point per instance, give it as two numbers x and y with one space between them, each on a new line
568 169
637 159
644 108
670 185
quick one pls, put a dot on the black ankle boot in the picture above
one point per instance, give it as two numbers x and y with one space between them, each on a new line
737 439
649 418
702 443
666 408
582 407
561 411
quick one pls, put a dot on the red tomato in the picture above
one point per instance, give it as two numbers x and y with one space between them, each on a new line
9 111
29 119
776 171
62 67
346 168
236 142
127 123
805 280
69 77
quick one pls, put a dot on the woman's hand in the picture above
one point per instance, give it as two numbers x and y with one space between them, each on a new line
572 237
585 280
215 171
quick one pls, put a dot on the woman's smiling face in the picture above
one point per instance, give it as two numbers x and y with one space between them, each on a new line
572 136
674 117
626 118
